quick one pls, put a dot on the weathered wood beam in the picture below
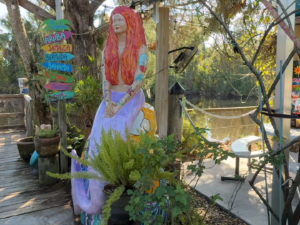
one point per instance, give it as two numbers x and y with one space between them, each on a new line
37 11
51 3
11 115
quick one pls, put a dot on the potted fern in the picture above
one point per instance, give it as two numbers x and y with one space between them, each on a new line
120 166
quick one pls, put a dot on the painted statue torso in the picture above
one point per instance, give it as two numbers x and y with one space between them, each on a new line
121 87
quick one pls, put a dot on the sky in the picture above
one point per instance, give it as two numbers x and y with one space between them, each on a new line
3 11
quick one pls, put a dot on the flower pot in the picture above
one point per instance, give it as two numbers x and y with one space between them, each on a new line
47 147
25 148
118 212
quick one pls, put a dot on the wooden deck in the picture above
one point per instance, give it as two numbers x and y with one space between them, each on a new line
22 199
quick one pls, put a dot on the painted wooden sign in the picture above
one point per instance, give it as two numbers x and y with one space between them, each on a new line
60 36
58 66
58 86
56 22
60 95
57 48
59 57
54 76
55 27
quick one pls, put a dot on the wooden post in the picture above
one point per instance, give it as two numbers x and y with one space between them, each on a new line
62 121
62 113
175 121
48 164
284 46
162 72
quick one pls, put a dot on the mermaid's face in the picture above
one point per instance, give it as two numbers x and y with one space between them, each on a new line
119 24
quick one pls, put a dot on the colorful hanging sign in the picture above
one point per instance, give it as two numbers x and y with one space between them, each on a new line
54 27
56 22
282 24
60 96
60 36
58 86
57 48
59 57
54 76
58 66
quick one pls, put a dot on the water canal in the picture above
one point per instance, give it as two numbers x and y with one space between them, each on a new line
223 129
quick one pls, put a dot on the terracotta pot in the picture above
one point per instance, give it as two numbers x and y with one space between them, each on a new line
47 147
26 148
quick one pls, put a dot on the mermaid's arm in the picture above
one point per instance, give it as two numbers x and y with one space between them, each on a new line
106 86
138 79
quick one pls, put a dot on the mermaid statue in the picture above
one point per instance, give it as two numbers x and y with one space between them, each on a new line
123 66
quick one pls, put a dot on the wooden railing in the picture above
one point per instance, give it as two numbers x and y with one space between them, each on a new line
12 112
15 112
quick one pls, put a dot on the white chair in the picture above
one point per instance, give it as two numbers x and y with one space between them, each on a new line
242 149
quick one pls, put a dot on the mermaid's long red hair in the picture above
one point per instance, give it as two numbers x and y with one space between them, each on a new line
135 39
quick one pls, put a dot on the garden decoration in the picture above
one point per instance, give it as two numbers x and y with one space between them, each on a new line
59 54
57 48
59 57
54 76
58 66
56 25
34 163
122 103
58 37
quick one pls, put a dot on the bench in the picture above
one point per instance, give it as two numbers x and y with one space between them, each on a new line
242 149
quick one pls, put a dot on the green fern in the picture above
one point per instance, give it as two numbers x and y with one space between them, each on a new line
115 162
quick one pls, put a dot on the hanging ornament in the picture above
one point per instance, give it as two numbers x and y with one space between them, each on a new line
235 48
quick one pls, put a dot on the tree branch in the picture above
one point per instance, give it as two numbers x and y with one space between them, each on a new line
286 63
296 216
262 42
95 5
183 4
291 13
285 13
37 11
265 202
290 197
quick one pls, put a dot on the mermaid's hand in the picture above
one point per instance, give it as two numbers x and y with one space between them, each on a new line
115 109
109 111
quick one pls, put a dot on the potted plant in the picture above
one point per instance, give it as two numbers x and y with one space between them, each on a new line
46 141
87 99
26 148
121 167
75 139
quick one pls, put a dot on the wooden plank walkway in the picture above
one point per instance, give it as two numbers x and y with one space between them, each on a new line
22 199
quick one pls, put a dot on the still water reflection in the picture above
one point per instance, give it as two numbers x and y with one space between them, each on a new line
224 129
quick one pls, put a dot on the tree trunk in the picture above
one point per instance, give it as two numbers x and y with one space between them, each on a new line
21 38
42 109
84 44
